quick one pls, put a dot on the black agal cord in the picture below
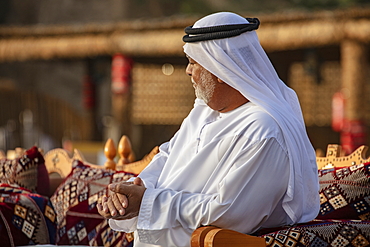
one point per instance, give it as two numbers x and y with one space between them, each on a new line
219 32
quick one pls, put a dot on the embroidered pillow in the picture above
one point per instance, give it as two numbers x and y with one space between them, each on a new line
345 193
28 171
79 222
26 218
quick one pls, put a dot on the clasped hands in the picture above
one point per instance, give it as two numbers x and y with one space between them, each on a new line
123 202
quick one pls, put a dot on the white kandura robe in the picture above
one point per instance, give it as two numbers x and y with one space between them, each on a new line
242 63
225 169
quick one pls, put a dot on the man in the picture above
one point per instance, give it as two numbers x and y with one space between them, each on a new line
240 160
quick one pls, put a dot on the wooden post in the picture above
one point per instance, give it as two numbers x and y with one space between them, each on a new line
354 69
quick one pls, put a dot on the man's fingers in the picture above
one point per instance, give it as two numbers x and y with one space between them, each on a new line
121 187
104 204
99 206
110 205
116 199
102 213
125 203
113 186
123 200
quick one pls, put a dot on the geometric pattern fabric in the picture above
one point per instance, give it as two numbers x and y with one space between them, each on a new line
71 217
322 233
345 193
344 217
79 222
28 171
26 218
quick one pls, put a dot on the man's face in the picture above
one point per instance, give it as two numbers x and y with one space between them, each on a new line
203 81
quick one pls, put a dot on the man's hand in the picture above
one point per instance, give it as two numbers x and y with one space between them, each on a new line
108 211
119 200
124 202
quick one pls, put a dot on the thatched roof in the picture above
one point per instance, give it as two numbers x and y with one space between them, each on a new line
162 37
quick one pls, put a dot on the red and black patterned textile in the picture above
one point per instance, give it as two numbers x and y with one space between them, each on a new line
28 171
79 222
345 193
344 217
26 218
322 233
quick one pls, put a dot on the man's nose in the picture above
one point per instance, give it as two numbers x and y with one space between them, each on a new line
188 70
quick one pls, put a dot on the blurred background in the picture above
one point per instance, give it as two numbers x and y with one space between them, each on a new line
74 73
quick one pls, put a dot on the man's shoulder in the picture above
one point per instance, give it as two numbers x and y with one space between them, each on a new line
259 124
257 116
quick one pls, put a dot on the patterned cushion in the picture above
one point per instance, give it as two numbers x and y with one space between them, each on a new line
28 171
79 222
322 233
345 193
25 218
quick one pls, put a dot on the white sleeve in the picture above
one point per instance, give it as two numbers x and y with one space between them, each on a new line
154 169
245 198
124 225
150 173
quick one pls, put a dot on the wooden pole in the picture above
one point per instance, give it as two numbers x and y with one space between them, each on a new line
354 69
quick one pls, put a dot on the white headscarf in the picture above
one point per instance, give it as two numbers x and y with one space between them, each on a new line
242 63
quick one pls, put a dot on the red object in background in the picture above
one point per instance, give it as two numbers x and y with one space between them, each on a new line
352 132
88 93
353 135
337 117
121 74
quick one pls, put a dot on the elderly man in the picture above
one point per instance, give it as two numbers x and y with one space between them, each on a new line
240 160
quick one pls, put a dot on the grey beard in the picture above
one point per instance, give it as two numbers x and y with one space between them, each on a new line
209 86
